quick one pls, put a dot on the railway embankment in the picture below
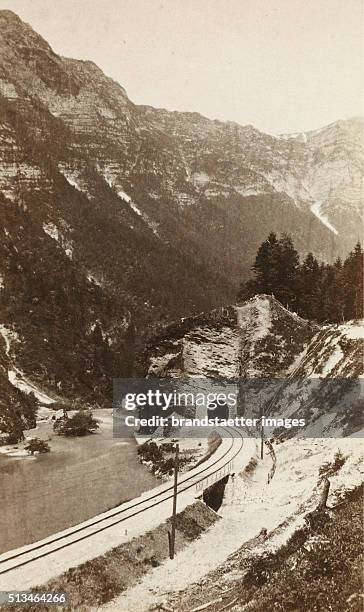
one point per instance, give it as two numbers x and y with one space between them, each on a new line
98 581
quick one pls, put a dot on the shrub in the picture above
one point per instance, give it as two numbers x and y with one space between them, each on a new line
35 445
79 424
150 451
250 467
332 467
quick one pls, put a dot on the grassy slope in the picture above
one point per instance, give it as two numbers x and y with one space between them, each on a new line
319 569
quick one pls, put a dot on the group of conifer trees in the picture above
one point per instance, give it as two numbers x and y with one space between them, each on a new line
315 290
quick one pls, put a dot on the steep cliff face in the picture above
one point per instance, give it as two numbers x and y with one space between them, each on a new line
333 175
203 345
73 152
317 170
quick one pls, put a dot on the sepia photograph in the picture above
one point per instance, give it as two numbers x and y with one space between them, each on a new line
181 305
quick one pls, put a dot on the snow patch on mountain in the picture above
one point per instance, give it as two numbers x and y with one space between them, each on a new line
8 336
316 209
290 184
53 232
151 224
111 175
93 279
200 179
15 376
127 199
73 182
19 380
74 177
135 208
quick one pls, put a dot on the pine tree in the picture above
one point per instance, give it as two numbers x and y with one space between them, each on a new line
287 272
309 288
327 311
337 294
353 283
265 266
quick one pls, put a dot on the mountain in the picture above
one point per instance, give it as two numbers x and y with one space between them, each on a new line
115 216
292 367
333 178
188 187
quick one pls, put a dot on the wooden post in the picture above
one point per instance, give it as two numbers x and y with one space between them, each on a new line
324 494
261 439
172 534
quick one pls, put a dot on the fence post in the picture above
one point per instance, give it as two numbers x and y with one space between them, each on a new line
172 534
324 494
261 439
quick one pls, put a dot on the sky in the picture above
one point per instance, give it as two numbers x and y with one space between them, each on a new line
281 65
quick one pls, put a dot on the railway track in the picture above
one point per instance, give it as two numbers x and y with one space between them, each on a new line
12 561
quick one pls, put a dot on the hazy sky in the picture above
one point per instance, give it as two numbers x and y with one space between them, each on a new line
282 65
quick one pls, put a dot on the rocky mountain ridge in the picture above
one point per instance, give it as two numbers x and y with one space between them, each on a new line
180 172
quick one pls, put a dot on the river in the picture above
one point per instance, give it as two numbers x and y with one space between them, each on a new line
78 479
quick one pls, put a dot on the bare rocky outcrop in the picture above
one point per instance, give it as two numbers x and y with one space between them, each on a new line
311 372
259 338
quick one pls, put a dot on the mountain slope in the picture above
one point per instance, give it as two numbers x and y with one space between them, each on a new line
209 189
114 216
325 385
